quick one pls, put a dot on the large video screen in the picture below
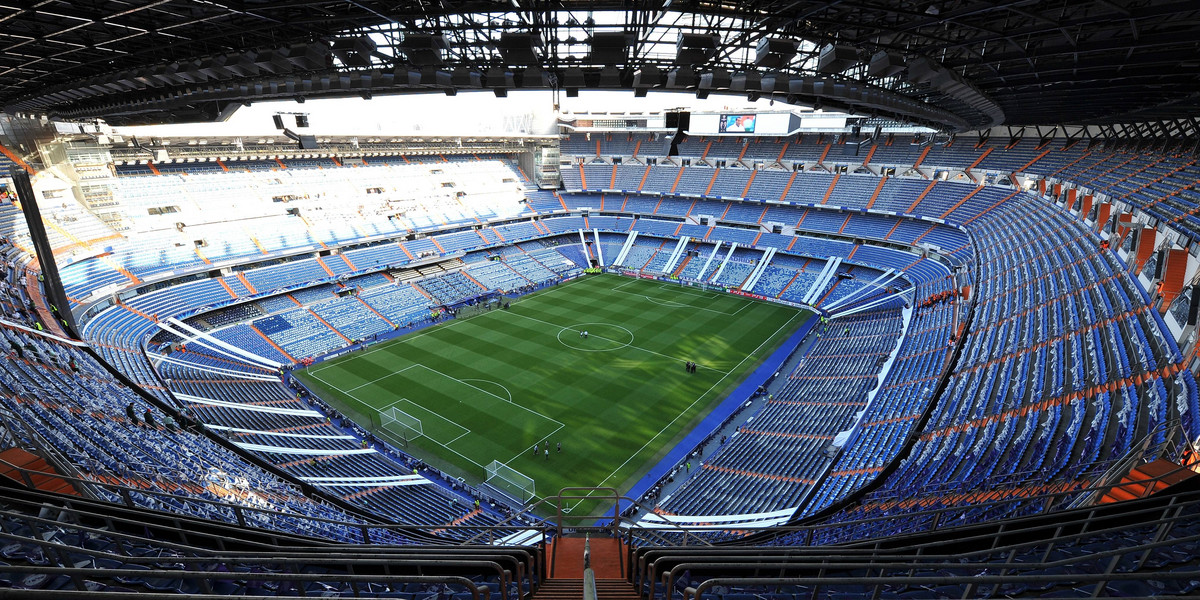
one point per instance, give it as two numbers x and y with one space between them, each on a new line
737 124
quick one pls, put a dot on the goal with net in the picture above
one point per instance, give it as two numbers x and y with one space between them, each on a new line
401 424
509 481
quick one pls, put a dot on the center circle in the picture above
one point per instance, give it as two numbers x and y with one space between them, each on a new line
602 337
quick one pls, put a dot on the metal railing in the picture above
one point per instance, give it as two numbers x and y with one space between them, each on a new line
125 543
589 576
868 569
249 517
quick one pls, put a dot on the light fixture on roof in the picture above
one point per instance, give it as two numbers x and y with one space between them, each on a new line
649 76
500 80
572 80
717 79
681 77
610 77
466 77
750 81
535 77
434 77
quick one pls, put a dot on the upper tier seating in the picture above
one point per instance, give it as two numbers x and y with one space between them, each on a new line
609 145
335 206
1162 185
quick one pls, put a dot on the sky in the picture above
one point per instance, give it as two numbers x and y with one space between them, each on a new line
435 113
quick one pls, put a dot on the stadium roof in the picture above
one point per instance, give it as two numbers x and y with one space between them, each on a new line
952 64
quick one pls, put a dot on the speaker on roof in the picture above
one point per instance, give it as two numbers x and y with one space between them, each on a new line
885 64
611 48
278 121
835 58
519 48
680 120
301 120
774 52
696 48
424 50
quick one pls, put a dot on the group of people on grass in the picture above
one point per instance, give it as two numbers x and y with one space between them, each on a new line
558 449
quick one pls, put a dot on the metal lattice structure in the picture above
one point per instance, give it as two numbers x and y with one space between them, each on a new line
951 64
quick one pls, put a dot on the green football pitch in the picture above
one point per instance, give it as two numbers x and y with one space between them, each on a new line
491 386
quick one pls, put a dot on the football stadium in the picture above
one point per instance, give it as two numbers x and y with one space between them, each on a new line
567 300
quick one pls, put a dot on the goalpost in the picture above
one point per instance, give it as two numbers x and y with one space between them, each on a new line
402 424
509 481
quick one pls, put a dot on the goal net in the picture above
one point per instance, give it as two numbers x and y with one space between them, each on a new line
401 424
509 481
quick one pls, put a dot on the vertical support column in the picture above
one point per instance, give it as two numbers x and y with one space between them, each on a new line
708 262
599 251
51 281
583 242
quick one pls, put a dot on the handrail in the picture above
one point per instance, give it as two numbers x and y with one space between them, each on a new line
241 512
793 556
1048 500
943 562
615 526
477 592
483 558
348 553
827 582
1021 526
589 576
273 549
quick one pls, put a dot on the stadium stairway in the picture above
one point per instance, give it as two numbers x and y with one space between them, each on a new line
572 589
567 572
22 467
1147 479
567 554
